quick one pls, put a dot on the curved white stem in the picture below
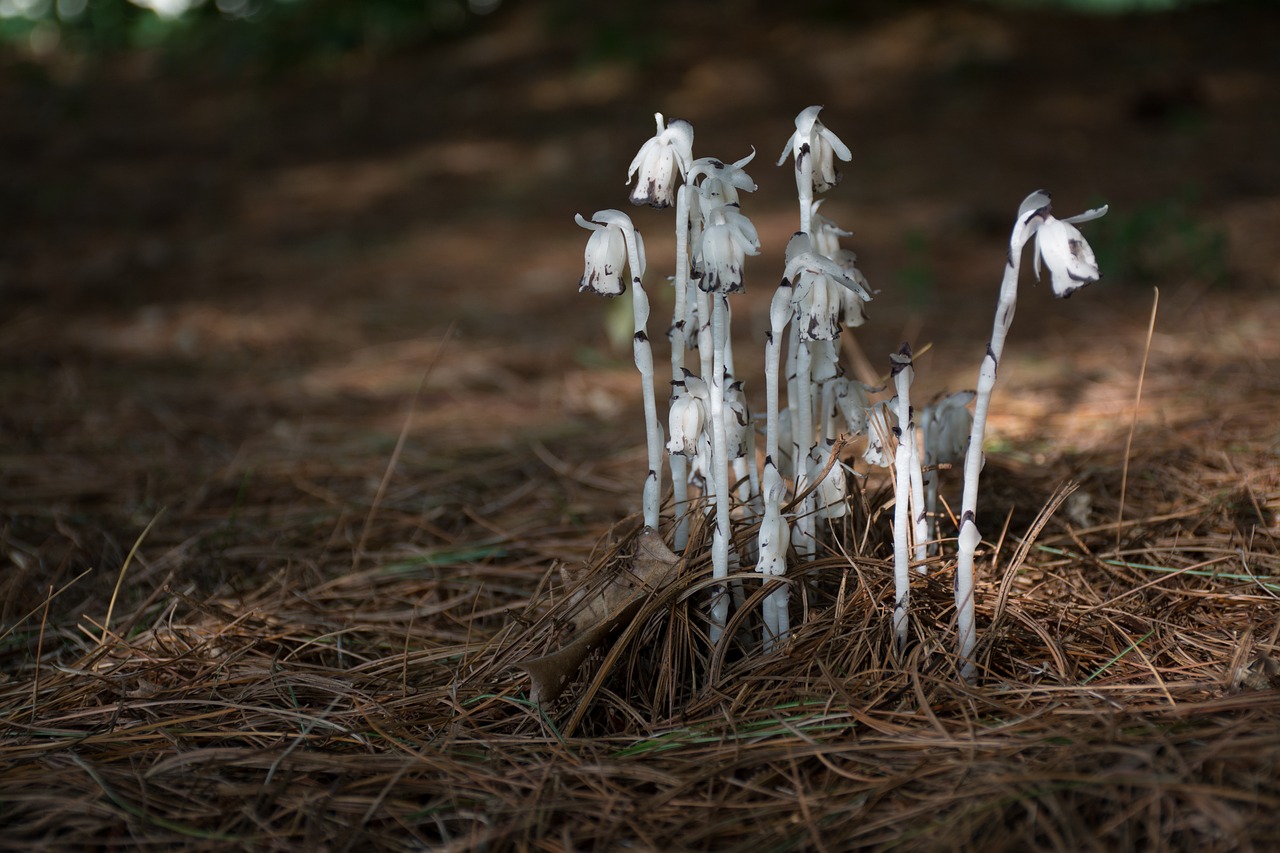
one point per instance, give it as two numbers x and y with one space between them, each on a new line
902 502
643 353
973 459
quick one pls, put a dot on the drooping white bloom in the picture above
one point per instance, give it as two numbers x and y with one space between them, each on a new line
606 252
1066 253
946 426
853 311
658 161
721 181
812 139
606 258
852 401
688 415
817 281
727 238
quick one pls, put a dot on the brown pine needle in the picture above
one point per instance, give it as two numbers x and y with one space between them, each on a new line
1133 423
124 567
399 448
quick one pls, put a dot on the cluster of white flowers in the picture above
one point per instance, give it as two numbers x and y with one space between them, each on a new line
822 293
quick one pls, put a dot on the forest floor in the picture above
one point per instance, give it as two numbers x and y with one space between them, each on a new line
301 415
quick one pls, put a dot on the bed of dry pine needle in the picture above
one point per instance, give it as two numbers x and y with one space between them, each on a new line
281 511
342 677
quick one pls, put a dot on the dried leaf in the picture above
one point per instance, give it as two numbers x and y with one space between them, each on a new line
597 610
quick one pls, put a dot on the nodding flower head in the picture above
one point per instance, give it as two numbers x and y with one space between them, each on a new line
946 425
853 308
812 139
727 238
721 181
818 282
1058 243
606 252
688 415
658 161
1066 253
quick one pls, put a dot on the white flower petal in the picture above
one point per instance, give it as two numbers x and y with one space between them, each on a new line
1067 255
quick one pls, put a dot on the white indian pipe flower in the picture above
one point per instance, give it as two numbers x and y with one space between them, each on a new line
854 404
606 258
664 155
946 426
1072 265
813 139
688 415
1066 253
600 276
853 311
817 281
721 181
606 252
727 238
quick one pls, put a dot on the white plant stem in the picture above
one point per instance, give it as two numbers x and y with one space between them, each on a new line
775 609
902 501
918 512
720 471
804 189
679 343
969 536
643 353
706 345
802 428
931 509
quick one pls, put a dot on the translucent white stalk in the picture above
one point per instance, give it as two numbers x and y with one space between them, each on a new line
902 375
679 338
774 533
643 353
720 471
918 512
803 534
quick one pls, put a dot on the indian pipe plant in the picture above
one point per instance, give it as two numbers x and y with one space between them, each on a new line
776 499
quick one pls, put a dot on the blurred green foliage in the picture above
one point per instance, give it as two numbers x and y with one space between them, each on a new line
1160 241
233 34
